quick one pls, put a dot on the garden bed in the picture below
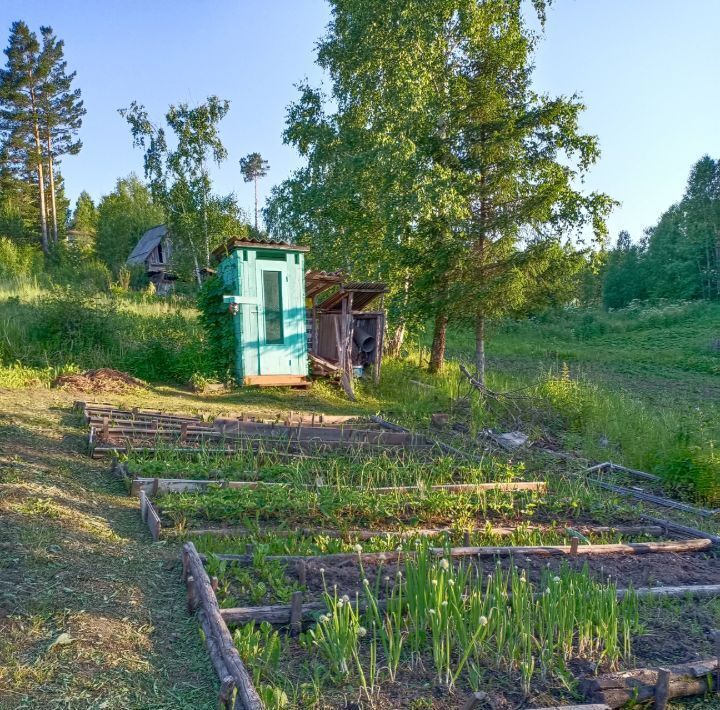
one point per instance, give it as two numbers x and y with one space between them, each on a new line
314 566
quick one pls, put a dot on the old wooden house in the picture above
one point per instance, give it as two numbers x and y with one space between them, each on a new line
154 252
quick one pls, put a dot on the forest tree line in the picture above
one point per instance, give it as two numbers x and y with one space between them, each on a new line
678 258
41 113
431 163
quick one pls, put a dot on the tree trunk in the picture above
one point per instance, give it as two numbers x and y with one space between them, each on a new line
480 347
437 355
395 341
256 206
53 205
41 177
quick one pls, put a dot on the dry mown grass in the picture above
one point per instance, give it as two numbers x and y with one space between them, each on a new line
91 612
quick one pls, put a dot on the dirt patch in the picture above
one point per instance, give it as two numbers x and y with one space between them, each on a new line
104 379
648 570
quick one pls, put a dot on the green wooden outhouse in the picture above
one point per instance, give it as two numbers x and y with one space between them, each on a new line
265 281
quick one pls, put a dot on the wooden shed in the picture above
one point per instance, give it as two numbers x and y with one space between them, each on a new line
154 251
266 285
345 325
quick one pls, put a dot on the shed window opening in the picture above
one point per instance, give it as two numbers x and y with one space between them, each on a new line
272 300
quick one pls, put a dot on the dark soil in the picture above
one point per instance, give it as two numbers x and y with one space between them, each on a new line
647 570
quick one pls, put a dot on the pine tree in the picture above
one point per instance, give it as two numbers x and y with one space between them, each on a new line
20 114
85 215
39 118
62 112
253 167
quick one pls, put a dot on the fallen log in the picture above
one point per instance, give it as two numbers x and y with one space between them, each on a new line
630 548
207 601
638 686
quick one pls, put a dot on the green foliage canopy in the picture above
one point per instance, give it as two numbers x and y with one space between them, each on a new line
122 217
434 165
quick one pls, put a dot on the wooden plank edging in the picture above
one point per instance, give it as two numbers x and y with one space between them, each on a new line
178 485
500 531
279 614
217 629
629 548
150 516
650 498
638 685
672 526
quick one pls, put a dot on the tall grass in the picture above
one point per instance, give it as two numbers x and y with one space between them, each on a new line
152 338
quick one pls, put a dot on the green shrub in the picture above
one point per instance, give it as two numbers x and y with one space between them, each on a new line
71 264
18 376
70 321
18 260
220 333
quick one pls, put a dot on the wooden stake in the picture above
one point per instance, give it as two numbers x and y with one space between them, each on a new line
574 544
191 595
662 689
227 690
716 637
185 570
296 613
474 700
302 572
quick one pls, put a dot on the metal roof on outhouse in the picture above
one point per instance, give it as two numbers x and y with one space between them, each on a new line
250 243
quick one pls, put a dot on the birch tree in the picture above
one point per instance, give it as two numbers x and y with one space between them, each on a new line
435 162
179 176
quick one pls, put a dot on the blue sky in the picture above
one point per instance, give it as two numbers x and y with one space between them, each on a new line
646 69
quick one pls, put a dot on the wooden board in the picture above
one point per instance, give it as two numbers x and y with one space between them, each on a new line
277 381
154 486
629 548
279 614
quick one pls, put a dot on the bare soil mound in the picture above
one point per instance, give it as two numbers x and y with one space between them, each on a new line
104 379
